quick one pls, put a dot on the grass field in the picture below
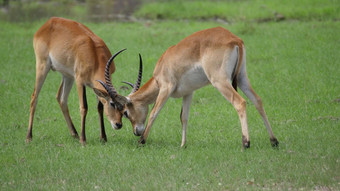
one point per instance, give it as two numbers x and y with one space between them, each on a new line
293 65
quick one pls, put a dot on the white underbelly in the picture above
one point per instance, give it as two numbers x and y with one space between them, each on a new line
192 80
63 68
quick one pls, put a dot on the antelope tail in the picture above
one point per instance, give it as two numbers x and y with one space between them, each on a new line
237 66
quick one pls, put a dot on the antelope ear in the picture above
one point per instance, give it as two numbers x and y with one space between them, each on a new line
101 93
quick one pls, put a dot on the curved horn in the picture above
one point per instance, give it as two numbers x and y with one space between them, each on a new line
139 79
108 89
128 83
112 91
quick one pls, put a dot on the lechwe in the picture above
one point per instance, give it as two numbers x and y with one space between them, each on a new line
213 56
79 55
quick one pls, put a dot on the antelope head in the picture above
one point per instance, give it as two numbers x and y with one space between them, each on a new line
127 108
113 102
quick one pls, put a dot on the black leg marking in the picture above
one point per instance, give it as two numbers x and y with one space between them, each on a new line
84 98
100 108
83 135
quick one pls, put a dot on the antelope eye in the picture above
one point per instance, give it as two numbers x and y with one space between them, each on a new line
112 104
126 114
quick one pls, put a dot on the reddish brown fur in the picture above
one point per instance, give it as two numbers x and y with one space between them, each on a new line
79 55
204 57
73 38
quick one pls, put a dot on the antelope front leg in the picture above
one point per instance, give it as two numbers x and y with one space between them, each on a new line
83 111
161 100
101 121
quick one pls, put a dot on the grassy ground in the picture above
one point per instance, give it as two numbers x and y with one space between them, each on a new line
292 65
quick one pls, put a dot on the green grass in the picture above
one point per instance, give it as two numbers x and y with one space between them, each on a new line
292 65
240 10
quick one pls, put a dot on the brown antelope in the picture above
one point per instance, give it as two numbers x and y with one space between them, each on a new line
213 56
79 55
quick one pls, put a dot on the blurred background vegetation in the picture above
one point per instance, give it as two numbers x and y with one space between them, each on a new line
84 10
132 10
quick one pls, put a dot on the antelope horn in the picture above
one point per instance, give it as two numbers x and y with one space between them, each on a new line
105 86
139 79
112 91
136 86
128 83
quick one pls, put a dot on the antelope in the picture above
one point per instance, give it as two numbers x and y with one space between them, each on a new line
212 56
79 55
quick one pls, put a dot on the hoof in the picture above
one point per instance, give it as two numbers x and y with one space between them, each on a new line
83 142
245 142
29 137
76 136
103 139
28 140
274 142
141 141
246 145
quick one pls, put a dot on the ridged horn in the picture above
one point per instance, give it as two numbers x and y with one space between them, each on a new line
136 86
109 87
140 74
105 86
